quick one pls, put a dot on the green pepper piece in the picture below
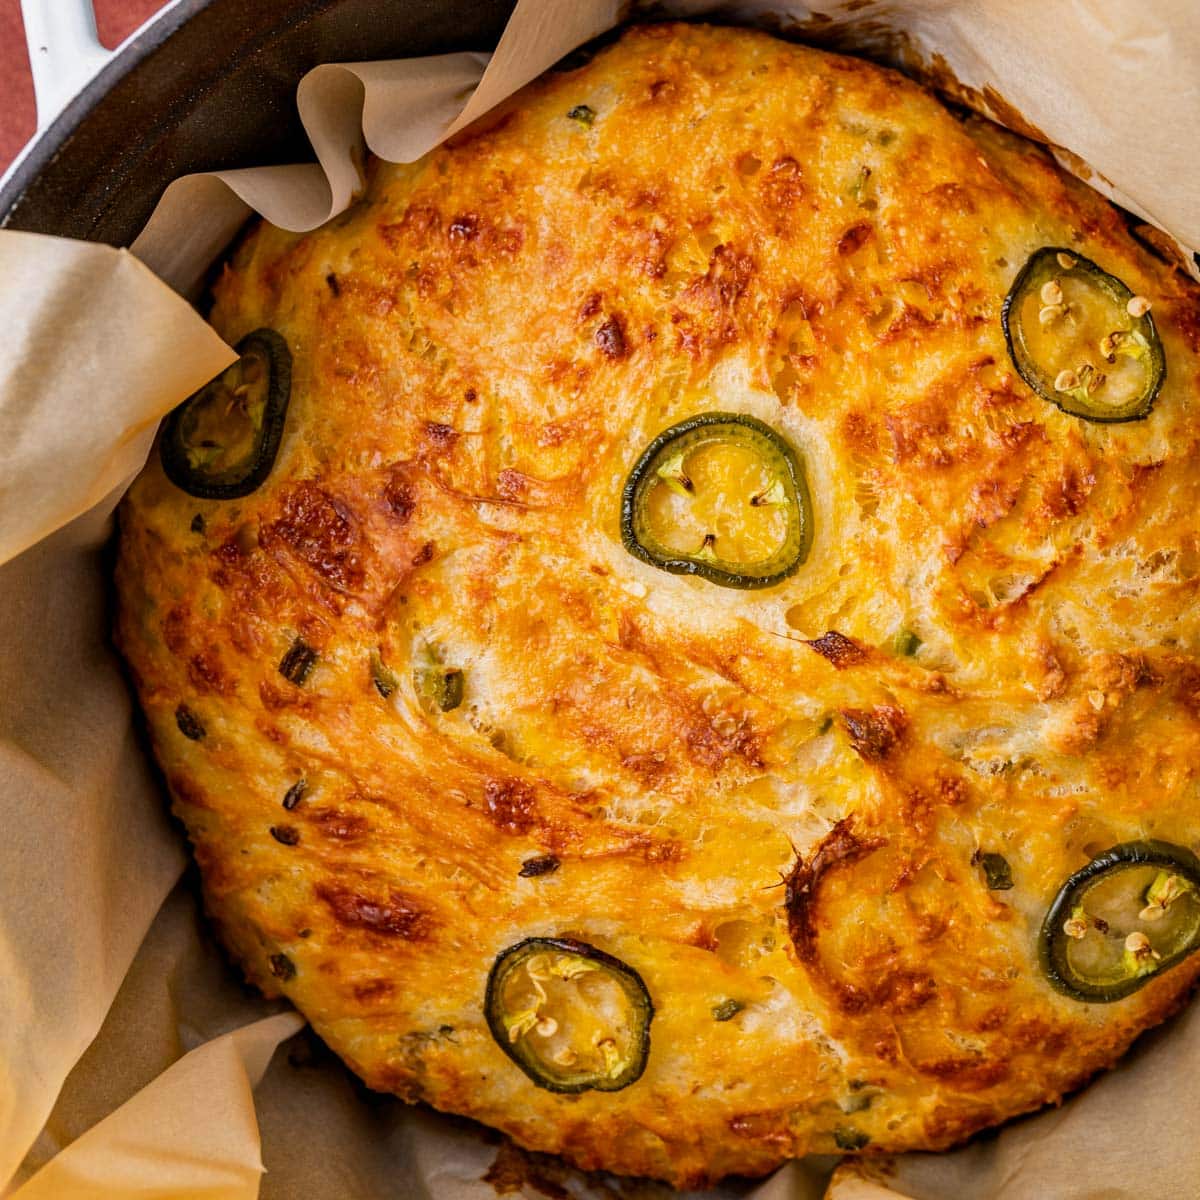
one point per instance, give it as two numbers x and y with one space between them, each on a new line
282 967
295 794
905 643
189 724
727 1010
1130 914
1081 339
297 664
996 871
543 864
722 496
439 687
573 1018
221 442
846 1137
382 676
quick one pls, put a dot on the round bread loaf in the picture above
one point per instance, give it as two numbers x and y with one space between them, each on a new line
675 866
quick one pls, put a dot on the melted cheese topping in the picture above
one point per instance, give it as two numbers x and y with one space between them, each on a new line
1069 346
482 348
727 505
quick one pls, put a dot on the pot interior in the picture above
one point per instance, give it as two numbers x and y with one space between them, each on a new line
212 84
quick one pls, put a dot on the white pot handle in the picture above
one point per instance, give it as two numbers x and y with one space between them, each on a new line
64 52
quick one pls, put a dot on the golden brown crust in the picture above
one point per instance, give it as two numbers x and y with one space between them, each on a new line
481 348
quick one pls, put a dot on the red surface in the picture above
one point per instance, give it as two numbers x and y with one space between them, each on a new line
115 19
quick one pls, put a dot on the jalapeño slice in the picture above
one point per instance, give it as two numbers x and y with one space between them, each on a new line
570 1016
1130 914
1081 339
221 442
720 495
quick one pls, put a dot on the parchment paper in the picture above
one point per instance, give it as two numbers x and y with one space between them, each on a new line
95 350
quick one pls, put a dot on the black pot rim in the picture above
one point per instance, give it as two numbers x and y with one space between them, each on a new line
50 142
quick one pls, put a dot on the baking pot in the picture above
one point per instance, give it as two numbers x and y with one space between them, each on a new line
206 84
